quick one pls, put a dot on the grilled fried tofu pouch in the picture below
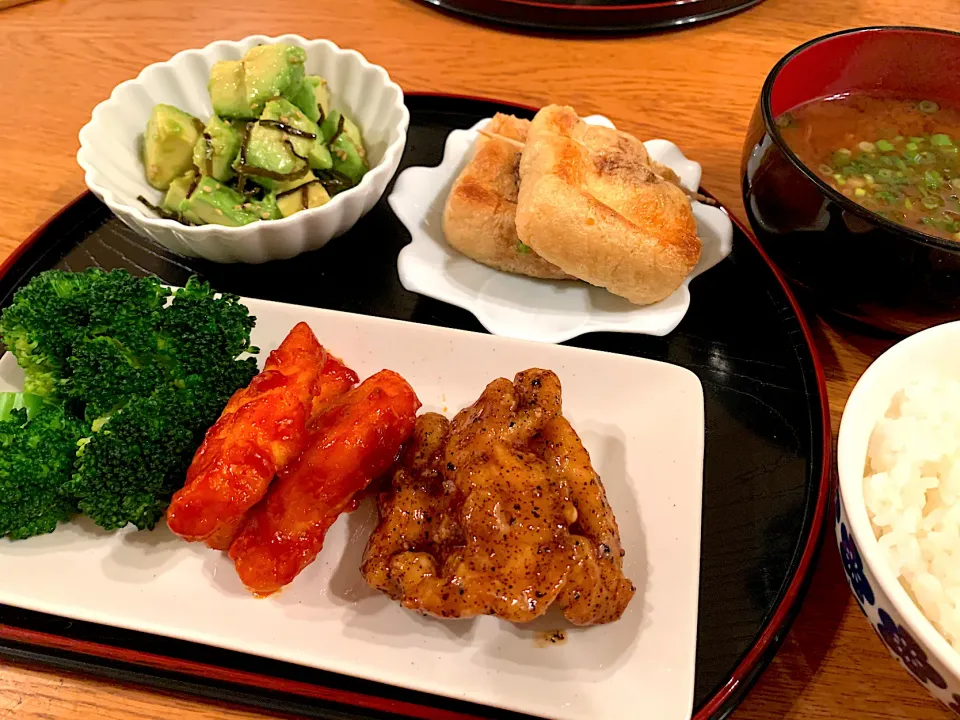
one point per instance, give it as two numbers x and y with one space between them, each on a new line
592 203
479 216
353 441
261 430
499 512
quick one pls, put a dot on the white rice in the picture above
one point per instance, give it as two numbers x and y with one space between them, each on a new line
912 490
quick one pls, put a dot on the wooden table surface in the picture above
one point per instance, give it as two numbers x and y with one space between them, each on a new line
58 58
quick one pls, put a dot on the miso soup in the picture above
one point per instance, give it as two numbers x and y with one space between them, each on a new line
898 158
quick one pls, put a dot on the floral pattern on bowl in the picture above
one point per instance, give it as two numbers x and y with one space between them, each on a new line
510 305
887 623
902 645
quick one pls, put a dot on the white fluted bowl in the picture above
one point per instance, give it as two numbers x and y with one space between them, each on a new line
109 150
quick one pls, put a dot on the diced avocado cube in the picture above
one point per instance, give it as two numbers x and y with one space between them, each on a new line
316 153
272 70
215 203
307 98
309 195
178 192
267 150
217 148
323 95
168 144
291 184
320 157
330 125
351 130
268 209
227 90
348 159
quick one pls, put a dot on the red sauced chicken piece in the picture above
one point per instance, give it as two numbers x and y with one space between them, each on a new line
354 440
261 430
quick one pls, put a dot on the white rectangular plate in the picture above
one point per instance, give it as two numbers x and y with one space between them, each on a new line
642 422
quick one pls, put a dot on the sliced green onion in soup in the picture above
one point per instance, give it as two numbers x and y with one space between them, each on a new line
940 139
841 158
930 202
927 106
884 145
932 179
825 169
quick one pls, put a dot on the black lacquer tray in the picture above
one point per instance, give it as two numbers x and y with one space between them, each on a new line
767 458
593 16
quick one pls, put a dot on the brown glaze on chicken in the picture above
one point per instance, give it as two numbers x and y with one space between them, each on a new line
499 512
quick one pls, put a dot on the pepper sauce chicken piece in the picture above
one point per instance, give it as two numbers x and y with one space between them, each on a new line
262 429
353 441
499 512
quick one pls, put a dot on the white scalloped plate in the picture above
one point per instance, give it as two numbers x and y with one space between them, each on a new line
520 307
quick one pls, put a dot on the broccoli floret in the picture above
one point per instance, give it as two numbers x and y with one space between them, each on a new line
203 330
147 373
128 471
42 324
58 311
105 375
38 444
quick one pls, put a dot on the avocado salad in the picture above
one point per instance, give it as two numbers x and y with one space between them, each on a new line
273 147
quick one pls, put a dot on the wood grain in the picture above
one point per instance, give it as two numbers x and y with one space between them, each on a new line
4 4
696 86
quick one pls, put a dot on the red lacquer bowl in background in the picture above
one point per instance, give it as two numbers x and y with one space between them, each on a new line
845 257
593 16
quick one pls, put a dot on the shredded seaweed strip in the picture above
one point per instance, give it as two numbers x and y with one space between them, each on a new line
289 144
193 184
208 153
244 170
165 214
305 196
241 178
334 182
339 131
323 115
298 188
198 125
288 129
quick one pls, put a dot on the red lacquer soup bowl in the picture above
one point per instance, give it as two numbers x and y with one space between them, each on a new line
842 255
